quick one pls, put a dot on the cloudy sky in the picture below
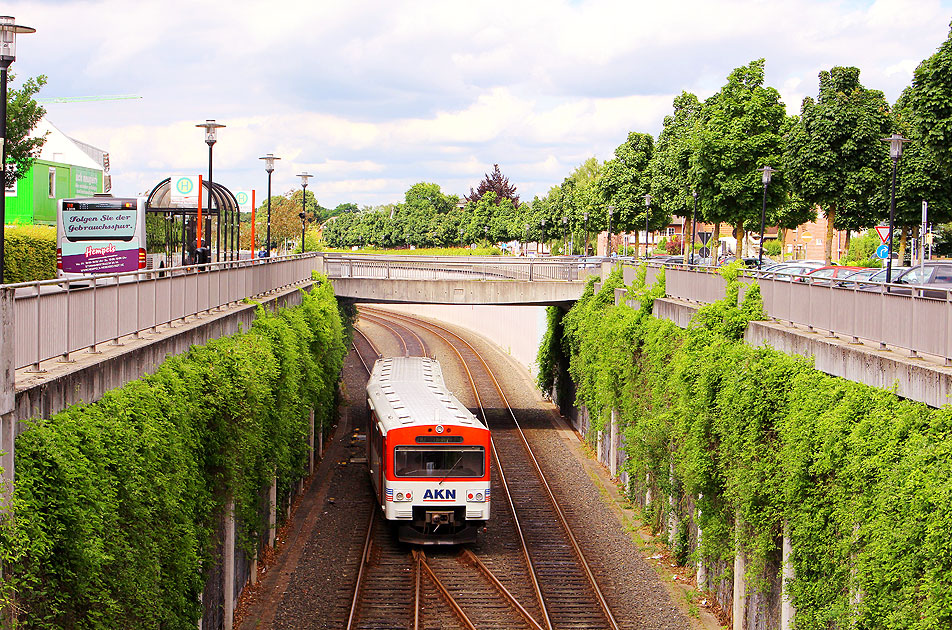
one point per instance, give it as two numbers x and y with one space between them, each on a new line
372 97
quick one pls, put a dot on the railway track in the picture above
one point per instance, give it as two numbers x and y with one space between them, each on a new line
397 586
564 588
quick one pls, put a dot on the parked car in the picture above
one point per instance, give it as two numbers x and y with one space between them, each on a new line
825 275
932 279
791 270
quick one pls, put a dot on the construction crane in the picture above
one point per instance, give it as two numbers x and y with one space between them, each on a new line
87 99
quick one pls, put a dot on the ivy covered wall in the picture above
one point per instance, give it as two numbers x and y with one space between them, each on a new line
747 440
115 503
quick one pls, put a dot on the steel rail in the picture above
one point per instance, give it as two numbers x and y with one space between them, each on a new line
421 562
561 516
383 322
469 557
364 560
502 476
369 343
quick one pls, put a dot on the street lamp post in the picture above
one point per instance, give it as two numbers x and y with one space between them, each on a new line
608 248
304 177
8 54
647 210
542 244
895 151
211 136
693 223
565 235
269 167
526 241
585 253
766 172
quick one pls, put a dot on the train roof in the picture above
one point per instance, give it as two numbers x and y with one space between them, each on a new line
406 391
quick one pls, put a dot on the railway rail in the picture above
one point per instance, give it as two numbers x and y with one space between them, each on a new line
565 588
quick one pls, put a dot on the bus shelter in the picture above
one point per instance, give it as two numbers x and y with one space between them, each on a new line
180 231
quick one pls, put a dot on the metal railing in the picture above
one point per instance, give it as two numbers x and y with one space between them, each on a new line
55 318
914 318
457 268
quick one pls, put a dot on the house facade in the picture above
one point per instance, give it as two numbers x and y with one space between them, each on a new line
65 168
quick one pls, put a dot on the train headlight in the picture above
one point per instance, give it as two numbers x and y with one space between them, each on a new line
403 496
476 496
399 496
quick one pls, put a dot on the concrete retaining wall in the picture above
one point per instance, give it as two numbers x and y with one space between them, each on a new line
518 330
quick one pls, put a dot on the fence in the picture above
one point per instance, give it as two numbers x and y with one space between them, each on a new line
918 320
55 318
458 268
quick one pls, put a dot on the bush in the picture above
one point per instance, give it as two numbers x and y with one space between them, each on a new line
116 502
772 247
29 253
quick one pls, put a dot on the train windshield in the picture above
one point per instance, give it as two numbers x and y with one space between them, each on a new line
435 461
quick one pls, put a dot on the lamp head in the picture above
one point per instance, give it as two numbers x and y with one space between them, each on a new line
766 172
895 145
8 39
647 201
269 162
304 177
211 131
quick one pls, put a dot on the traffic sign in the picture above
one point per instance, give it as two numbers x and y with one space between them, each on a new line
806 236
704 237
883 251
704 252
883 231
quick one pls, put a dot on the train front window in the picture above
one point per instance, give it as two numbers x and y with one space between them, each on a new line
431 461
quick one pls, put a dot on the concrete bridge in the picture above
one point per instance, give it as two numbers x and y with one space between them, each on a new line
459 280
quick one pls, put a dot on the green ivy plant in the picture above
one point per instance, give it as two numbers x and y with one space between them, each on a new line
758 440
115 502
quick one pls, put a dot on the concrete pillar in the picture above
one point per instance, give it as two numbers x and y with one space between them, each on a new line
673 521
8 348
310 446
701 567
599 446
739 605
613 448
228 551
787 611
272 511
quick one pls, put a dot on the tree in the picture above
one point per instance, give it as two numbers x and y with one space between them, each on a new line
496 183
739 131
23 114
919 177
931 99
430 197
835 156
671 183
625 181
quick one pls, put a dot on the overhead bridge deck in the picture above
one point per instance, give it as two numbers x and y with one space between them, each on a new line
461 280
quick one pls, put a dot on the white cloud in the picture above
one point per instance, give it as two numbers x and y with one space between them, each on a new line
373 97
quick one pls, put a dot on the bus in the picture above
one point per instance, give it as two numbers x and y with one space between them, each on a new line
101 234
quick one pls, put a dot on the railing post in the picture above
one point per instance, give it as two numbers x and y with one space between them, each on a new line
36 359
65 358
8 351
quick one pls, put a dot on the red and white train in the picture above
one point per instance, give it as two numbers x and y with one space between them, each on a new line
428 455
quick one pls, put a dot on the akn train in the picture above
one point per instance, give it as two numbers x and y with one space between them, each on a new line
428 455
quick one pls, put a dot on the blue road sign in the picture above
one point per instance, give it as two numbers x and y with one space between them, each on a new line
883 251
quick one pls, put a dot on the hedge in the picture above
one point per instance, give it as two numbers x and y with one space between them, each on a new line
29 253
115 502
759 438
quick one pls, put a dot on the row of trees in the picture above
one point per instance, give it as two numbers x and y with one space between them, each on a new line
707 158
831 157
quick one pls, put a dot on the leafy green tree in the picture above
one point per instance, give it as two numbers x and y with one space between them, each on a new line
625 181
671 183
429 196
931 99
496 183
739 131
835 156
23 114
919 177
